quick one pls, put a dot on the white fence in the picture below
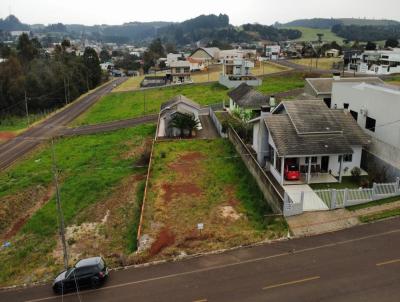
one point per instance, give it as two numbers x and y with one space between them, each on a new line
216 122
336 199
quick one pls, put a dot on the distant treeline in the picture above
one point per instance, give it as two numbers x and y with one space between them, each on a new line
47 81
367 33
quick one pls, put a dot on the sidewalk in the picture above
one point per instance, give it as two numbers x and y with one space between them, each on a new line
313 223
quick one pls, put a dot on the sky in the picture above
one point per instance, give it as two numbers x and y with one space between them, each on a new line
91 12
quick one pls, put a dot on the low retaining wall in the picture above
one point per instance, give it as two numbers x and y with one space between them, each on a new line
271 194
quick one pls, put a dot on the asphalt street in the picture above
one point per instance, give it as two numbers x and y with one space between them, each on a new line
19 146
357 264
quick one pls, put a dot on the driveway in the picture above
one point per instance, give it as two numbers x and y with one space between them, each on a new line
312 202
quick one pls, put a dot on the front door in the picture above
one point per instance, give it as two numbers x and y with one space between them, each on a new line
324 164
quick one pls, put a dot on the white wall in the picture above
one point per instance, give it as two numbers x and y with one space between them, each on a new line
382 104
334 163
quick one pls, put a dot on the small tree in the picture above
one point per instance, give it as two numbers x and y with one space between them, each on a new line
392 43
356 173
370 46
184 121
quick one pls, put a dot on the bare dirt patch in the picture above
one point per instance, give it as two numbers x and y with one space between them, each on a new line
187 163
228 212
5 135
174 190
15 210
164 239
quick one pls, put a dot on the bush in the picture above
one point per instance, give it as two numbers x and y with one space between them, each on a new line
356 172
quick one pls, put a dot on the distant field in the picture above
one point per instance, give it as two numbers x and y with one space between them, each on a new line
322 63
196 181
98 183
124 105
204 76
310 34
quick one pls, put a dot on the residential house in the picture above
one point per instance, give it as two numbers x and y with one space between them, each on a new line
376 108
322 87
322 143
377 62
180 72
239 53
236 72
173 57
177 105
272 52
195 64
332 53
208 55
246 98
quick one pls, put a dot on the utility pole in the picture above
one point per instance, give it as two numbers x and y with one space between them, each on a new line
26 109
58 202
208 72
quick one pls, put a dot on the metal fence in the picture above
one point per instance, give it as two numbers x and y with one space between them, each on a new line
335 199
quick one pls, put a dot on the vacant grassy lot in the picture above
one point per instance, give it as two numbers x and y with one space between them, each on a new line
124 105
203 181
323 63
310 34
203 76
99 179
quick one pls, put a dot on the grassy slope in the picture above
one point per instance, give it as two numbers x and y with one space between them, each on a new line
125 105
310 34
222 180
90 167
323 63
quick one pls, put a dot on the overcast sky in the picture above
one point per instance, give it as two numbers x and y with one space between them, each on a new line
240 11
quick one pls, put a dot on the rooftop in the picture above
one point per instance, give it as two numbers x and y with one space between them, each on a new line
324 85
179 99
315 138
247 97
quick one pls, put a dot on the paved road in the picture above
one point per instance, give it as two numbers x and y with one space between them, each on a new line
358 264
19 146
110 126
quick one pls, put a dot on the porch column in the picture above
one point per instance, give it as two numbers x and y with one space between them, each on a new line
283 170
309 171
340 168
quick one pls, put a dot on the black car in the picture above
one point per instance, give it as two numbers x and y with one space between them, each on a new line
87 273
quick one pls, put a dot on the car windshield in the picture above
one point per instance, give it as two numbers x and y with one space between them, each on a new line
69 272
101 265
293 167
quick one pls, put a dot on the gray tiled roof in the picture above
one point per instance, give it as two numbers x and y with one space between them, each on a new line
247 97
324 85
289 143
312 117
177 99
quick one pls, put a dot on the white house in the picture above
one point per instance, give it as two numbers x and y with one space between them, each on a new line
272 52
245 97
376 108
332 53
208 55
323 143
177 105
236 72
172 58
376 62
180 72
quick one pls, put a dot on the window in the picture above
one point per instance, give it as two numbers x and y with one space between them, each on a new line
370 124
347 158
314 160
354 114
271 154
346 105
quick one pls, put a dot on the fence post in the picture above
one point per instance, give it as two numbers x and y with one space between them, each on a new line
397 184
374 191
346 194
333 199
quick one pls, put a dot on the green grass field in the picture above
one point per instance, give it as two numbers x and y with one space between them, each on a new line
124 105
310 34
15 123
194 181
91 167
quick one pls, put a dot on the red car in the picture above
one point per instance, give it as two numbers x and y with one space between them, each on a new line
292 171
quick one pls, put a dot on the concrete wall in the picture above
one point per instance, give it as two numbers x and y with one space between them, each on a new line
334 163
270 192
382 104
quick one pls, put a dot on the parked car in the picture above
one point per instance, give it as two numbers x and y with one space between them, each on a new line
292 171
86 273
